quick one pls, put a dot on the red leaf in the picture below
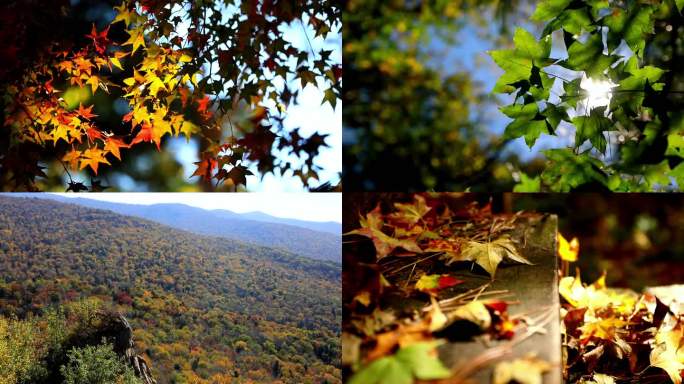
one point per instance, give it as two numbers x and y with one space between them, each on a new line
100 39
497 306
203 104
448 281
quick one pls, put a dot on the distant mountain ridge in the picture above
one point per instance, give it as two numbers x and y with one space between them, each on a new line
297 236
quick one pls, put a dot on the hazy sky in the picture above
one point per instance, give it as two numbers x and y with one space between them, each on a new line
303 206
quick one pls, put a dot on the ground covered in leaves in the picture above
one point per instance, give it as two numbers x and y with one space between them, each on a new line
613 335
421 277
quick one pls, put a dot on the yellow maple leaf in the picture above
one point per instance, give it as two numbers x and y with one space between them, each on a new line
92 157
94 83
60 131
568 250
155 85
606 329
188 129
160 125
136 39
124 14
670 348
71 158
116 62
140 115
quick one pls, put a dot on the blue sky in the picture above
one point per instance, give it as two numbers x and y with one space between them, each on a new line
302 206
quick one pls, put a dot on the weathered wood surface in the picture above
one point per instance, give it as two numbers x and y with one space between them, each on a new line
536 287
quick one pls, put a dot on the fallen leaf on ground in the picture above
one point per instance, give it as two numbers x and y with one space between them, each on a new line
527 370
434 283
489 254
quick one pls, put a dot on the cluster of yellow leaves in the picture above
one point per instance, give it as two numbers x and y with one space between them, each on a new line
611 315
668 352
596 296
40 114
155 84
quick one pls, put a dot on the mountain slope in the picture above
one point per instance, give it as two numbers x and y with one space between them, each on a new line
201 306
282 233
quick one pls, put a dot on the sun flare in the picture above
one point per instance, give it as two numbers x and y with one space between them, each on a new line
598 92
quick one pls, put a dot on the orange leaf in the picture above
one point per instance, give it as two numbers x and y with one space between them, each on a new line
205 168
86 112
113 144
147 134
92 157
71 158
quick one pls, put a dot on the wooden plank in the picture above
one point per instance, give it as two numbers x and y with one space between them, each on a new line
536 287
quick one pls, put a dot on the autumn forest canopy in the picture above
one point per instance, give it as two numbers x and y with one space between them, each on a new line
201 309
96 89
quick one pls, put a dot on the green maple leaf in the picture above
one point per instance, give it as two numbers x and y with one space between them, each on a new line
528 184
518 63
574 21
554 115
567 170
416 360
515 69
636 81
527 122
527 46
588 56
573 92
592 127
632 26
675 145
549 9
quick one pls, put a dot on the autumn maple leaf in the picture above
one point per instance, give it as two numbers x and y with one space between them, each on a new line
86 112
434 283
147 134
371 227
92 157
100 39
113 144
205 168
203 105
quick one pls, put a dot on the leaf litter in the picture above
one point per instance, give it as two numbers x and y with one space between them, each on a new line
404 309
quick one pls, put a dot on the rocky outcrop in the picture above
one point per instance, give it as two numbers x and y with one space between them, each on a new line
116 329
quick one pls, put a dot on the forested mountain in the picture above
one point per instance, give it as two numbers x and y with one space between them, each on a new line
203 309
322 226
316 240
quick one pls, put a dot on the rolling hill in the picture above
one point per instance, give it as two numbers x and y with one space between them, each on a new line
201 307
321 241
